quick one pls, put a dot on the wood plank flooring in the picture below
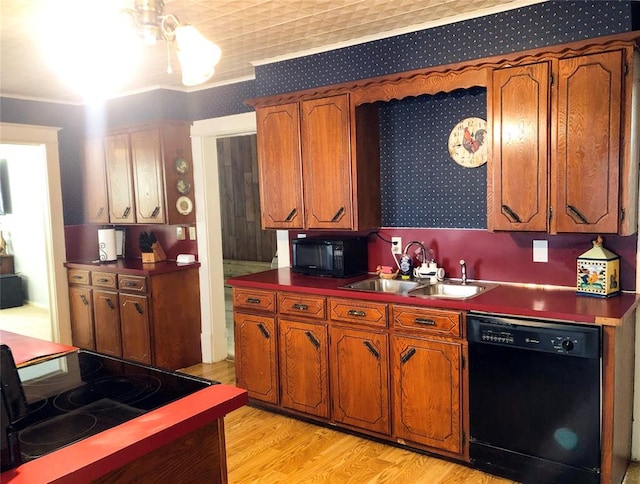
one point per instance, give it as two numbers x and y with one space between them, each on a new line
263 447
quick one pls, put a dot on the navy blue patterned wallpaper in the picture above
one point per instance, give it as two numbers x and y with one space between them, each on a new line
539 25
548 23
421 184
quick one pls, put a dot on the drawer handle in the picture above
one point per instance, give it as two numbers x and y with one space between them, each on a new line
100 211
131 284
110 303
372 350
263 330
581 218
312 338
155 212
253 300
84 300
103 279
338 214
77 277
300 307
138 308
126 212
428 322
291 214
356 312
514 216
408 355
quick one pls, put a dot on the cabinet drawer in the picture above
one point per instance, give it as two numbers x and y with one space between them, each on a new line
104 279
132 283
78 276
254 299
434 321
358 312
302 305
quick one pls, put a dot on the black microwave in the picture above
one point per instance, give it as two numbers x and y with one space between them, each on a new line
329 256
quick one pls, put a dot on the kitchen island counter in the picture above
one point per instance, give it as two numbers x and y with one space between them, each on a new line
181 440
544 302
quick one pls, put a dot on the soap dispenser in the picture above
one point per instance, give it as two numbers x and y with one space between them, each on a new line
406 266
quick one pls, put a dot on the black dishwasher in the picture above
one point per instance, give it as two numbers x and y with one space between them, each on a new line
534 399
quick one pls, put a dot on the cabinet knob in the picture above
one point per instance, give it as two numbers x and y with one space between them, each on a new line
356 312
291 215
312 338
155 212
84 300
407 356
428 322
126 212
264 330
338 214
253 300
372 349
511 214
300 307
581 219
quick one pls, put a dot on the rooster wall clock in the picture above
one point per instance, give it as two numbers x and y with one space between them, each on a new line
469 142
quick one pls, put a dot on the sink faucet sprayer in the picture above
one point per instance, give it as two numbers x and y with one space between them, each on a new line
463 271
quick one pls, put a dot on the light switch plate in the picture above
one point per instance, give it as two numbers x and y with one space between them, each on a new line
540 251
180 235
192 233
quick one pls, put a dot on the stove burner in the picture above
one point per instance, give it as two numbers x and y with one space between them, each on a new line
51 434
119 389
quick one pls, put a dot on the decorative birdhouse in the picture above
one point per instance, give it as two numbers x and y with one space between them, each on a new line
598 272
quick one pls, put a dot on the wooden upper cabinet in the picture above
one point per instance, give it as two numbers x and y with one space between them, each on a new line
586 172
119 179
565 156
280 167
326 161
517 175
146 160
96 208
319 169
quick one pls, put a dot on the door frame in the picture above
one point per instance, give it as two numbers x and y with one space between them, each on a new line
204 135
47 136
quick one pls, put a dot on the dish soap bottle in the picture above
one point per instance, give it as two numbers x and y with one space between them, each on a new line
406 266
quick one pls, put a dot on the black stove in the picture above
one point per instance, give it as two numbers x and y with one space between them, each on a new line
80 394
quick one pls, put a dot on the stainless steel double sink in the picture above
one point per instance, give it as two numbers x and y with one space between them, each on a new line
448 289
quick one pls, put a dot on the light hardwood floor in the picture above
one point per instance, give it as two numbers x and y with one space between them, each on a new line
263 447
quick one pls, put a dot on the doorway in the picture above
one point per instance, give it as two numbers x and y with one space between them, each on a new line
246 248
44 141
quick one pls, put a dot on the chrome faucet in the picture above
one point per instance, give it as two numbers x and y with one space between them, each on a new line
463 271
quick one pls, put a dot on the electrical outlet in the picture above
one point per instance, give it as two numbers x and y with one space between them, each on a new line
192 233
396 245
180 233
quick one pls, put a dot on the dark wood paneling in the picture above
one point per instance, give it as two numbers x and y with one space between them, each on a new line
242 235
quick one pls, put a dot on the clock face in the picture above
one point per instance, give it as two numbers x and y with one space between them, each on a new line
469 142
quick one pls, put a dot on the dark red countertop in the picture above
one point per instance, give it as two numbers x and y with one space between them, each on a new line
88 459
133 267
509 299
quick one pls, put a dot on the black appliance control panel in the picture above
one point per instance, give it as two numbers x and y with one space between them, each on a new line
551 337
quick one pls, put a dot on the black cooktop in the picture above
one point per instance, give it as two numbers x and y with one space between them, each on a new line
80 394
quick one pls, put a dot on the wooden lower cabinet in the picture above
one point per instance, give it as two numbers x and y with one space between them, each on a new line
426 388
340 361
151 319
303 352
107 323
81 312
360 379
134 328
256 355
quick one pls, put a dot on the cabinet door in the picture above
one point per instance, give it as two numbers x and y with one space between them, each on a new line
96 209
303 367
326 163
134 327
81 309
256 356
517 177
119 181
146 161
278 142
588 145
360 379
427 388
107 323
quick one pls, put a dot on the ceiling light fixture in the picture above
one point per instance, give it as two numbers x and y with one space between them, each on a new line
197 55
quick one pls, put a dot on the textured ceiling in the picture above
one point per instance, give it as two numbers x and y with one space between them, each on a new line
248 31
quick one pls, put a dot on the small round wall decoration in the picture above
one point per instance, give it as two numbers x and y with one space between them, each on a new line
469 142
